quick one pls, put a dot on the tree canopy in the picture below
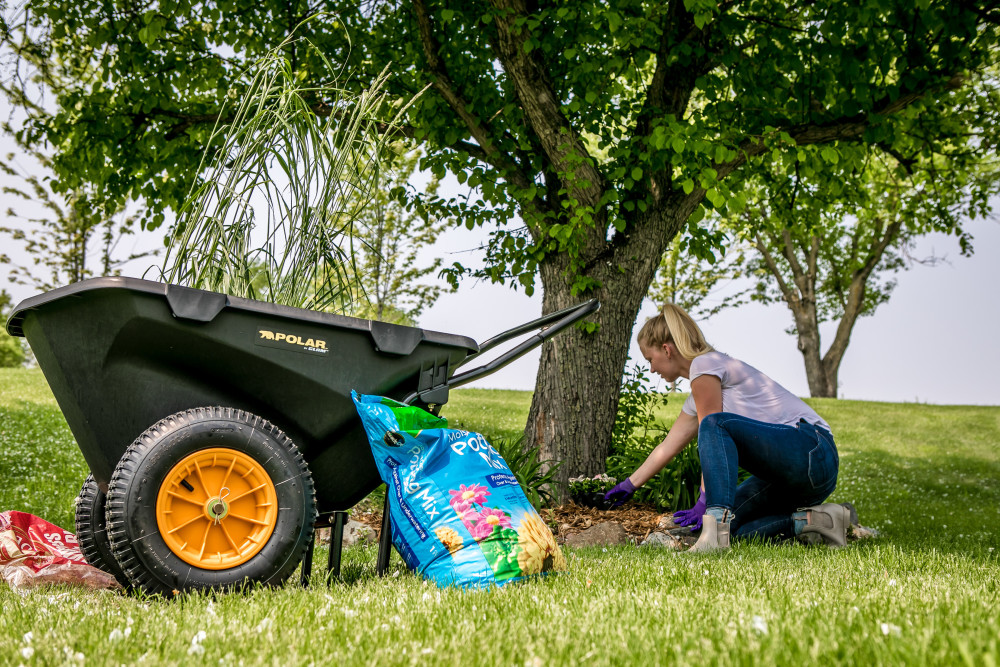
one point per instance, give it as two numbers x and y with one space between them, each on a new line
828 240
592 132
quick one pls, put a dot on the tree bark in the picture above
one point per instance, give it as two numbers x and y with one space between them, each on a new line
578 382
822 377
579 376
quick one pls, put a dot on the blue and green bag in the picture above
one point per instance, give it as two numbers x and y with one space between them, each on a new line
458 515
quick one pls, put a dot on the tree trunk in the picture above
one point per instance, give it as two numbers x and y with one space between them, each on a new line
822 371
579 377
822 379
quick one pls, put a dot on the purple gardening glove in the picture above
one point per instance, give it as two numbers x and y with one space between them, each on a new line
620 493
691 517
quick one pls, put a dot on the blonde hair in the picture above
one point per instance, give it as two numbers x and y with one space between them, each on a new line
673 324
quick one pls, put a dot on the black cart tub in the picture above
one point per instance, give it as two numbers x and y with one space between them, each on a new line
217 428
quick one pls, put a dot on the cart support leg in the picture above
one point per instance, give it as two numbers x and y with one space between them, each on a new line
307 563
384 539
336 544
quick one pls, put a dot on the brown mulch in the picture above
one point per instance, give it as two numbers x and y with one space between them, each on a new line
637 520
370 518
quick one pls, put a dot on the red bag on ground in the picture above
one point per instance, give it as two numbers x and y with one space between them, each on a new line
34 551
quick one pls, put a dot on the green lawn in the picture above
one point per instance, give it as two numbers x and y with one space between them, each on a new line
925 592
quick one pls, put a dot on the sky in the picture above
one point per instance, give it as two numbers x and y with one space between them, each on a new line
934 342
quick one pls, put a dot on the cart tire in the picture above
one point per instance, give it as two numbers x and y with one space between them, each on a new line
213 498
92 532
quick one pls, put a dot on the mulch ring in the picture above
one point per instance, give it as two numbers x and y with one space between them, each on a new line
638 521
370 518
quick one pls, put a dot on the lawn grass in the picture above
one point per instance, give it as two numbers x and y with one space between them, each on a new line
925 592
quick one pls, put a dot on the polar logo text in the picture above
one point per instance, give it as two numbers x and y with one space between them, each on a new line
289 341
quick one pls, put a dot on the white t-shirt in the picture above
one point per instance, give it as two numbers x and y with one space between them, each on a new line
749 393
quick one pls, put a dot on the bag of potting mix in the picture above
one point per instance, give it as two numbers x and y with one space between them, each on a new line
458 515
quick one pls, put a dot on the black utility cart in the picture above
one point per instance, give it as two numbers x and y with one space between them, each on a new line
219 431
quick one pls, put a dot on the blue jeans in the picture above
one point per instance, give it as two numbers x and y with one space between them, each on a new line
790 467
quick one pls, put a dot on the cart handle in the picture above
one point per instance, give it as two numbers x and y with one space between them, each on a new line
550 325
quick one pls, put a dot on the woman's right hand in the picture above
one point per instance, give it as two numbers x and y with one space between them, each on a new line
692 517
620 493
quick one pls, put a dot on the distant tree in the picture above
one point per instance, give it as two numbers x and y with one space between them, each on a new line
11 349
72 234
701 285
70 239
834 256
388 237
829 243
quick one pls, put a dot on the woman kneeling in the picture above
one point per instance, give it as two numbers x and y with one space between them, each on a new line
744 419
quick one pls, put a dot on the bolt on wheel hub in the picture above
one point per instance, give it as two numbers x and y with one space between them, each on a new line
216 509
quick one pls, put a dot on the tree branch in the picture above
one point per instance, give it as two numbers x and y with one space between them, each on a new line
446 87
558 139
856 295
849 128
772 266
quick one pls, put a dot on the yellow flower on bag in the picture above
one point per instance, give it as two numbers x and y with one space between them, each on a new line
450 538
539 551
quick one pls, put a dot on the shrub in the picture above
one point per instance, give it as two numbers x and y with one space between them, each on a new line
11 350
636 433
590 491
675 487
595 484
636 404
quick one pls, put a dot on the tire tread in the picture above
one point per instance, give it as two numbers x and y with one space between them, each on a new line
116 511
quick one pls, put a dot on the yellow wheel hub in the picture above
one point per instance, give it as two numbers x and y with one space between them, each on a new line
216 509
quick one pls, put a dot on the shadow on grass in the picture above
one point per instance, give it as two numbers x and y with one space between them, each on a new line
951 503
358 567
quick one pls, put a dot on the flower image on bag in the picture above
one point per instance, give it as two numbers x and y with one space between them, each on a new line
473 493
489 519
458 515
539 551
449 538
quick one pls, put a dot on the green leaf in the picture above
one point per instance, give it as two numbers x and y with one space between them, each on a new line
447 15
614 21
636 173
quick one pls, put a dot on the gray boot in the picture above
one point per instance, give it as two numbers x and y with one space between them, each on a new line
826 523
714 535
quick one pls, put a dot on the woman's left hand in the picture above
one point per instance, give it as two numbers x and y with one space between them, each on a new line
691 517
